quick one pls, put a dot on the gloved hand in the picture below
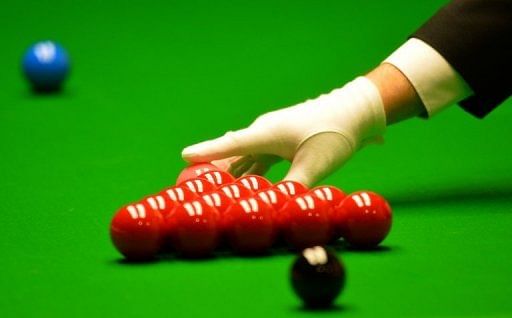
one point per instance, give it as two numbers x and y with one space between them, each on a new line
317 136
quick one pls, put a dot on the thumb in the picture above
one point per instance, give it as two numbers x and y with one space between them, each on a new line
318 157
233 143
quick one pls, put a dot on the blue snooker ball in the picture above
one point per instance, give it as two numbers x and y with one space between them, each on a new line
46 66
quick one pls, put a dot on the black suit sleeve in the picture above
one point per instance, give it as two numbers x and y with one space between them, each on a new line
475 37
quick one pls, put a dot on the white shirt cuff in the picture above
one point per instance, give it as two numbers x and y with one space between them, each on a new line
436 82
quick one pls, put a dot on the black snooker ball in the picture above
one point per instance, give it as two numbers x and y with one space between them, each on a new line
318 277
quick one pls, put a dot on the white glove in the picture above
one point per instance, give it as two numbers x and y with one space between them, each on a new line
317 136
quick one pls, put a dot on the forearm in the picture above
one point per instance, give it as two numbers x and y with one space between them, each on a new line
398 95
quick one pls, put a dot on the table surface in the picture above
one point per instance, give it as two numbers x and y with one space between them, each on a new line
149 78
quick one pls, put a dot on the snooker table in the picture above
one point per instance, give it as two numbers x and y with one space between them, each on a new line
150 77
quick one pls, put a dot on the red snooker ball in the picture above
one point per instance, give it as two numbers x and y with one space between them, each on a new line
194 170
254 182
277 199
273 197
136 231
218 200
198 185
193 228
331 194
304 221
218 178
235 191
179 194
291 188
248 226
364 219
160 203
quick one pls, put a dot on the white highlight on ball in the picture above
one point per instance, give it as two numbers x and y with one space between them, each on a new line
133 211
315 255
250 205
269 196
306 202
288 188
324 194
45 51
362 199
194 208
142 210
